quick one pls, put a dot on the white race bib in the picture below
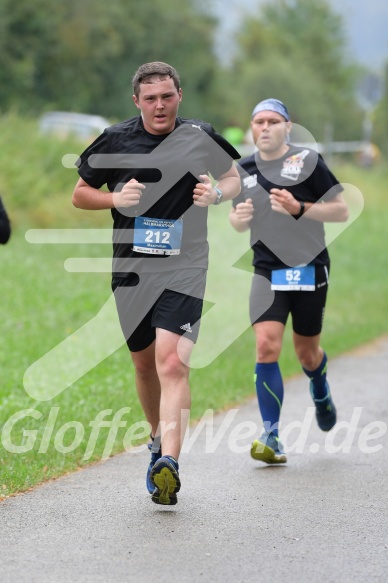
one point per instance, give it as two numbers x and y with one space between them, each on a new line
157 236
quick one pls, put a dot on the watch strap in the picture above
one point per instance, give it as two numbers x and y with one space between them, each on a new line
219 196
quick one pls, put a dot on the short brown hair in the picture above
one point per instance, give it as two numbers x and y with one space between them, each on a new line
157 70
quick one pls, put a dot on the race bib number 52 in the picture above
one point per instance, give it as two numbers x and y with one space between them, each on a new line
294 279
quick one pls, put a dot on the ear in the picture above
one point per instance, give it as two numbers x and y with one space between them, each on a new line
288 127
136 101
180 94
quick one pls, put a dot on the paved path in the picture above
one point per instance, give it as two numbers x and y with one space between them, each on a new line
321 518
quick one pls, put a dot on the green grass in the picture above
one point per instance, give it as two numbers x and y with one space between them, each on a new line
43 305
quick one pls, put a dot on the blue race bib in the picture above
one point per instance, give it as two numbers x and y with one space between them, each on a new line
294 278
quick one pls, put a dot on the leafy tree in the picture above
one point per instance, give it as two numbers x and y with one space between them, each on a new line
294 50
380 118
81 56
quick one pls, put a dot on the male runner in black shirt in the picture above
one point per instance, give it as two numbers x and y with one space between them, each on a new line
288 193
156 167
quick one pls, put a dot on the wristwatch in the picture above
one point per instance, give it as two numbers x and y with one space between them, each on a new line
300 213
219 196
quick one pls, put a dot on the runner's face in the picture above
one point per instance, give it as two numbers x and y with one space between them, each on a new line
269 131
158 102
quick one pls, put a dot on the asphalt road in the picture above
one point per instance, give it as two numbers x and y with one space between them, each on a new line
320 518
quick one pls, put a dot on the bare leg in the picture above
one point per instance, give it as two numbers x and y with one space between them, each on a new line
175 397
148 385
269 338
308 350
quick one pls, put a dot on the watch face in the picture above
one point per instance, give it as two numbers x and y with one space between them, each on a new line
219 196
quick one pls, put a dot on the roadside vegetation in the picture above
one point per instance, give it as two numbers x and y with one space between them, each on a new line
43 304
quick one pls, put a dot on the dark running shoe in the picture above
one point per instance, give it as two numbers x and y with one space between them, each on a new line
155 456
325 410
165 478
268 449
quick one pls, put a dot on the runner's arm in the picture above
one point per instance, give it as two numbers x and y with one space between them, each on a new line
241 216
229 183
334 210
88 198
205 193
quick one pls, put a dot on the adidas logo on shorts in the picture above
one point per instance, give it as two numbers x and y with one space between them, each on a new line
186 327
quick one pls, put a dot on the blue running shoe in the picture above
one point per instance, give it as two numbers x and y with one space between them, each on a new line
156 454
165 478
325 410
268 449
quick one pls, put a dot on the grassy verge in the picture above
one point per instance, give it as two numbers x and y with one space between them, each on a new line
43 305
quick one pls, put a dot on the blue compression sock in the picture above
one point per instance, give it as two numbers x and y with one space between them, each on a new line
270 391
319 385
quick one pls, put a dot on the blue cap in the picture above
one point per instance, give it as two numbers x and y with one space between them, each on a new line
272 105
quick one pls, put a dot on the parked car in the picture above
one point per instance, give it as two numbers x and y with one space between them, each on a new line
65 124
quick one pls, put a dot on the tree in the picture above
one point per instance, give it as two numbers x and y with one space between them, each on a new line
80 56
380 118
294 50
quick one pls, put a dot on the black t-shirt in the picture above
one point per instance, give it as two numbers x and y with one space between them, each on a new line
279 241
5 225
169 165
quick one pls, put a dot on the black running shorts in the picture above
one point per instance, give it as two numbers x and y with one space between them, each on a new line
170 300
307 308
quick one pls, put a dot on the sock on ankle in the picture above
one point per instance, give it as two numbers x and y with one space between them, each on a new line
156 443
319 387
270 391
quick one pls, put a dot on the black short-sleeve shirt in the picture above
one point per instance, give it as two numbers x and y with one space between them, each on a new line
169 165
275 240
5 225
